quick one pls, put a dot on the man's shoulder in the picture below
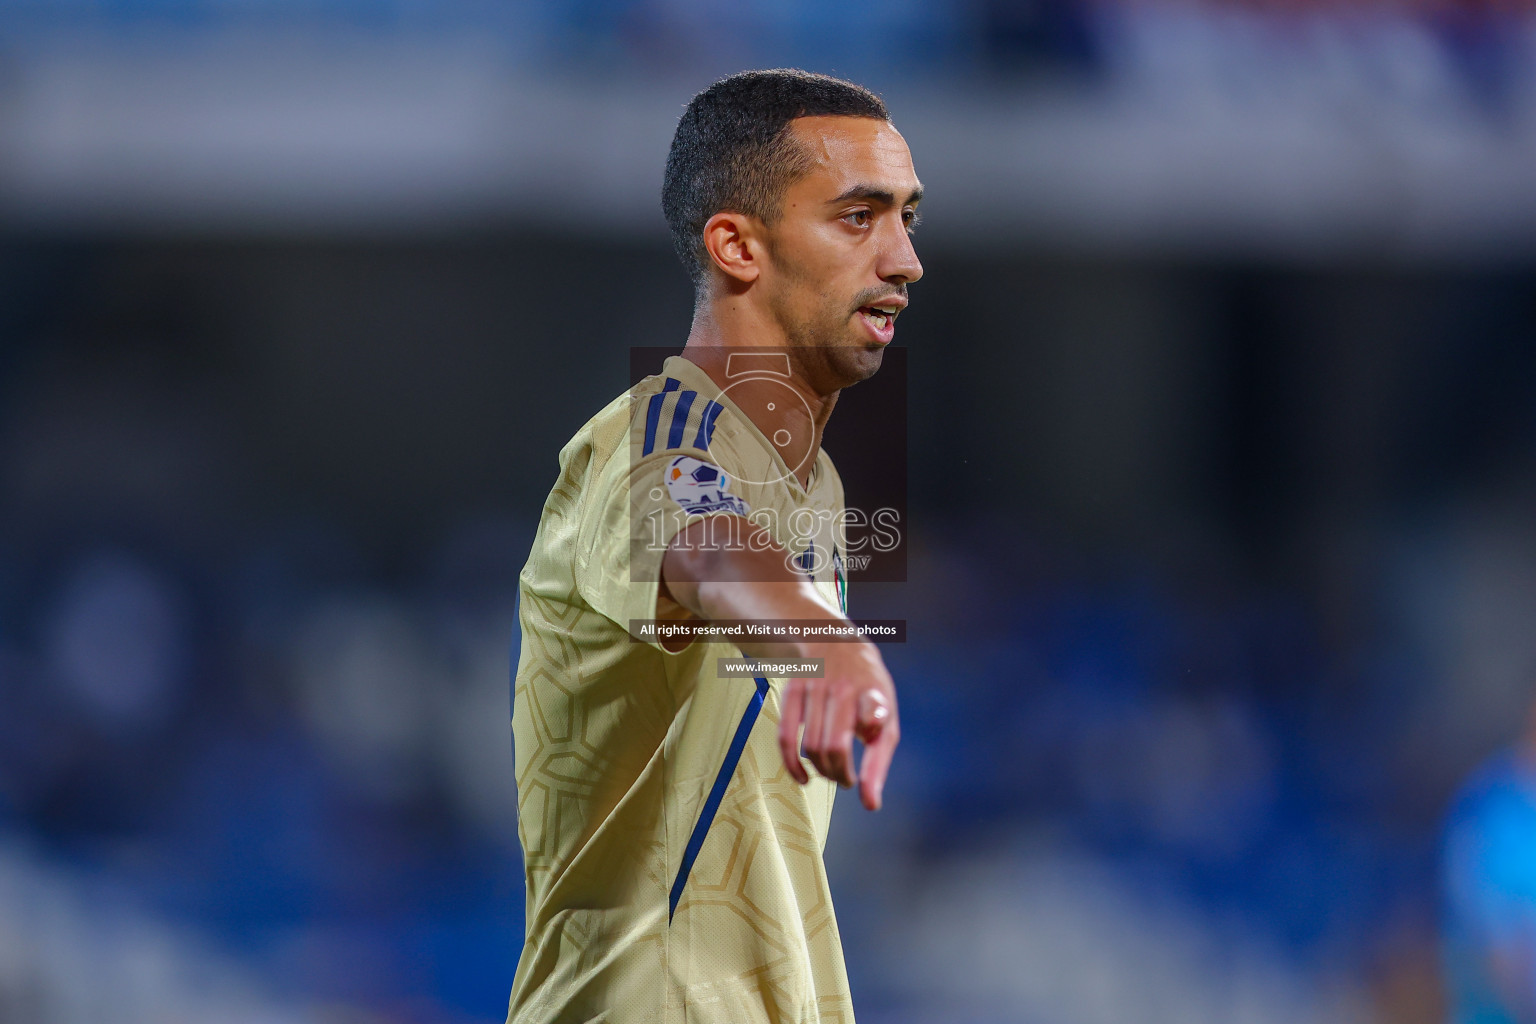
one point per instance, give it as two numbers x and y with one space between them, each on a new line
609 428
663 422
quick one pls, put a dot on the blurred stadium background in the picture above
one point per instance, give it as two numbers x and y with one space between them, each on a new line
1223 472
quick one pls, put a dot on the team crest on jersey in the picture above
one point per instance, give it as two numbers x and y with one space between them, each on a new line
700 487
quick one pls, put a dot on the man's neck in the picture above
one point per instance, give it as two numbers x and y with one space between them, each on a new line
733 324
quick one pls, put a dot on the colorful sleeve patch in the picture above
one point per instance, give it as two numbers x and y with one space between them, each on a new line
701 487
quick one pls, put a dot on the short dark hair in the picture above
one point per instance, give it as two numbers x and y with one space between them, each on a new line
733 150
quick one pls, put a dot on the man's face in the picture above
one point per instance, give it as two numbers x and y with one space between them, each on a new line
840 252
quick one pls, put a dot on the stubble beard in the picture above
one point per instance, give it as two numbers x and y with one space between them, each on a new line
826 350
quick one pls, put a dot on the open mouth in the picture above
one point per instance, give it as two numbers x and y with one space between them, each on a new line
879 317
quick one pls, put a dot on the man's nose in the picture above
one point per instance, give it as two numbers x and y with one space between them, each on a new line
899 263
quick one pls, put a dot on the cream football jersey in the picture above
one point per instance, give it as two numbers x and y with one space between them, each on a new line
674 869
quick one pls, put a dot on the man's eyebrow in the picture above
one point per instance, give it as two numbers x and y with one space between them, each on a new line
876 194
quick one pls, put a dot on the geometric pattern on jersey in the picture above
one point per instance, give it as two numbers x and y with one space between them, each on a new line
673 867
716 793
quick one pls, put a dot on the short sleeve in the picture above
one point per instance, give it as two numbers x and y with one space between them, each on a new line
636 510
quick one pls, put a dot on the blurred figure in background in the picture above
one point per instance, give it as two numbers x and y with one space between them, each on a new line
1490 882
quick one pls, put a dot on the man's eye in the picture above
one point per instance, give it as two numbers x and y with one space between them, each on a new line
911 218
859 218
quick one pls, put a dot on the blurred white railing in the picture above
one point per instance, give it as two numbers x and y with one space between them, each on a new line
1222 133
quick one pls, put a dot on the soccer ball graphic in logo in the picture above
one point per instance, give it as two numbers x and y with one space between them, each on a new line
700 487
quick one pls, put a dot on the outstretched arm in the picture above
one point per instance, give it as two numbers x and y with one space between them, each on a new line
854 697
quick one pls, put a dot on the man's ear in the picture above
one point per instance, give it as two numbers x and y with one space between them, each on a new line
735 244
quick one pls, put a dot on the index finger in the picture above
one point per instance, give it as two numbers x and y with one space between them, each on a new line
875 766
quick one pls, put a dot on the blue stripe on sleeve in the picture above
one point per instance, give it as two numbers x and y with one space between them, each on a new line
707 424
717 793
653 414
680 418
